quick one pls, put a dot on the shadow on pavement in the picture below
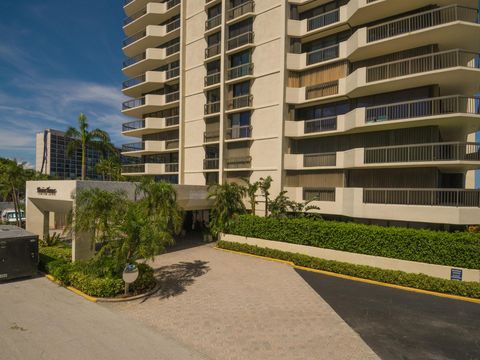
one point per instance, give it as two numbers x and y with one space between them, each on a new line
174 279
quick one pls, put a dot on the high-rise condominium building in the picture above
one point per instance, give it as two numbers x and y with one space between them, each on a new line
365 106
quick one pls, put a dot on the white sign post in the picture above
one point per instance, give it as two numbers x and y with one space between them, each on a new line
130 274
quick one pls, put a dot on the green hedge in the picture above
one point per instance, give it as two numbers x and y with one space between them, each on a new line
95 277
459 249
418 281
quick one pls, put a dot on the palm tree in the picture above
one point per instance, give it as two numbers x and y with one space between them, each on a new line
228 202
251 192
82 138
265 184
110 168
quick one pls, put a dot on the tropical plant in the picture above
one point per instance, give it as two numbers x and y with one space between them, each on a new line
82 138
50 240
12 179
265 184
282 206
110 168
251 190
228 202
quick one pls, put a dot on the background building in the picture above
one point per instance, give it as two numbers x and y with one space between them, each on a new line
52 159
366 106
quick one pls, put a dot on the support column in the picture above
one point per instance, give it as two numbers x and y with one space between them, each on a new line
37 220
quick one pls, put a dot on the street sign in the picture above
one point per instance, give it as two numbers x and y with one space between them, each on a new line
456 274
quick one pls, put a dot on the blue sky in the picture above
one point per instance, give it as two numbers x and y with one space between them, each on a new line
58 58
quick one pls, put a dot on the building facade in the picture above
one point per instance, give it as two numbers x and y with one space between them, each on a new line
52 159
366 107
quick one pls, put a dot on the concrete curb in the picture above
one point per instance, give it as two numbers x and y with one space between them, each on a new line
347 277
97 299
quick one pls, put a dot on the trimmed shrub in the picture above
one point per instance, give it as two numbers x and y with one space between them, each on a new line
418 281
459 249
96 277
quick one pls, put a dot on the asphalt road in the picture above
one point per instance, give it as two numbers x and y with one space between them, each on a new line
398 324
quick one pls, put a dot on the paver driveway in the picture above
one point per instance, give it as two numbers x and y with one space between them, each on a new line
237 307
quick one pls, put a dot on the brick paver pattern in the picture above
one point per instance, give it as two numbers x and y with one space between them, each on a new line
231 306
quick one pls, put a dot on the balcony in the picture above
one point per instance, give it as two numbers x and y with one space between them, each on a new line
152 13
149 169
326 23
238 163
133 6
150 147
438 26
212 108
213 23
447 112
150 125
455 71
435 206
241 11
212 136
240 102
212 79
451 155
213 50
150 59
240 72
211 164
241 41
152 37
148 82
241 133
149 103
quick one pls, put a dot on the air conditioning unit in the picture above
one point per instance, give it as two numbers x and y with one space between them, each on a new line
18 253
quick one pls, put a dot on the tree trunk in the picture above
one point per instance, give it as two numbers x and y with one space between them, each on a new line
16 206
84 161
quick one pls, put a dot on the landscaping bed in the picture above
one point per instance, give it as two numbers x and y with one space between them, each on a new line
417 281
96 277
459 249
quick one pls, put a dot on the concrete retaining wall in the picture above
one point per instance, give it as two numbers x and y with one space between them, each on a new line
439 271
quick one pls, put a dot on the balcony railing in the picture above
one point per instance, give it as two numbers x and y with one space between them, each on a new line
420 64
212 79
316 56
212 108
172 49
133 125
134 81
211 164
319 194
244 162
138 146
240 40
324 19
213 50
213 22
240 71
421 21
242 9
131 39
173 25
318 160
171 168
133 169
172 120
171 97
172 3
453 151
134 17
239 132
131 104
240 102
172 73
320 125
423 197
134 59
423 108
211 136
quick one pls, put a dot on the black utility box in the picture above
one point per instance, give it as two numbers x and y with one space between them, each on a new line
18 253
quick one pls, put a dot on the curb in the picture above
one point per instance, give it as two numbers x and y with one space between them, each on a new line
106 300
352 278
